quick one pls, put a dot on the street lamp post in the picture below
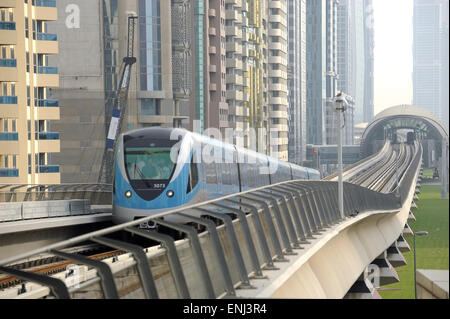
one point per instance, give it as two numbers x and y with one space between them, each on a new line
340 105
419 233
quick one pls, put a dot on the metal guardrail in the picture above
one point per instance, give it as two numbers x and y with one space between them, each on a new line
409 175
97 194
283 216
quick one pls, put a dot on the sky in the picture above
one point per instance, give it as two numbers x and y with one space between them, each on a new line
392 21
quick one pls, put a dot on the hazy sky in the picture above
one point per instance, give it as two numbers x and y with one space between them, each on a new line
393 52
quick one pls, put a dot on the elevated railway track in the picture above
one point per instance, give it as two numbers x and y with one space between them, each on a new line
261 229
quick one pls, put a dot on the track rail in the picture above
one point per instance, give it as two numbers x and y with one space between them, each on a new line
379 174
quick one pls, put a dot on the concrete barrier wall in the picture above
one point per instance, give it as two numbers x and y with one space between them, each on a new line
10 212
43 209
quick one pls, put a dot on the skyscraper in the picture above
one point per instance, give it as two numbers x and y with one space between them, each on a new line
430 57
160 84
369 43
27 112
321 50
355 62
297 80
278 63
243 78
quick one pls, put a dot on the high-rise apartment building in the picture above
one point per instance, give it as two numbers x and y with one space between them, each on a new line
232 74
430 57
297 80
278 90
27 140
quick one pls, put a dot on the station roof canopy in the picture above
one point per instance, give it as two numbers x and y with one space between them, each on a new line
406 117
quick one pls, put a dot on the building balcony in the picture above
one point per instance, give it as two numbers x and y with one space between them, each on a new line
9 111
8 107
8 99
9 143
7 3
8 33
233 46
277 74
7 25
236 3
45 10
46 70
9 136
277 60
212 50
8 70
279 114
212 31
9 172
213 87
276 33
47 136
47 43
278 46
47 169
45 3
46 36
8 63
46 103
278 100
234 15
48 113
233 30
212 13
278 87
277 18
212 68
47 76
234 79
48 145
278 5
234 63
234 95
47 179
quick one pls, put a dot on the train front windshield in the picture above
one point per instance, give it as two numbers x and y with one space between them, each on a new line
149 163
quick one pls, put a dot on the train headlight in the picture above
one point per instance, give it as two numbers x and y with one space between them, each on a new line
170 193
128 194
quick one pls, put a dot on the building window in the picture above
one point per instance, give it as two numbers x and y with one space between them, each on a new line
150 107
150 45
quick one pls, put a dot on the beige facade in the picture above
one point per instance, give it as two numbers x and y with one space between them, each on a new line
217 109
246 72
278 91
26 110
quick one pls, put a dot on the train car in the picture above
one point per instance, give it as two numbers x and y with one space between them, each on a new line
161 168
410 137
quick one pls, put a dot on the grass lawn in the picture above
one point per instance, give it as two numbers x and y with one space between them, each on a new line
432 250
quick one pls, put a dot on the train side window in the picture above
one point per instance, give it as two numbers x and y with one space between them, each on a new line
193 176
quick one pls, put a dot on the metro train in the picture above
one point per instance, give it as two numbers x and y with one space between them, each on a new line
160 168
410 138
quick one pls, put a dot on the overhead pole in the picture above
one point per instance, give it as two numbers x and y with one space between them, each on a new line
340 106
